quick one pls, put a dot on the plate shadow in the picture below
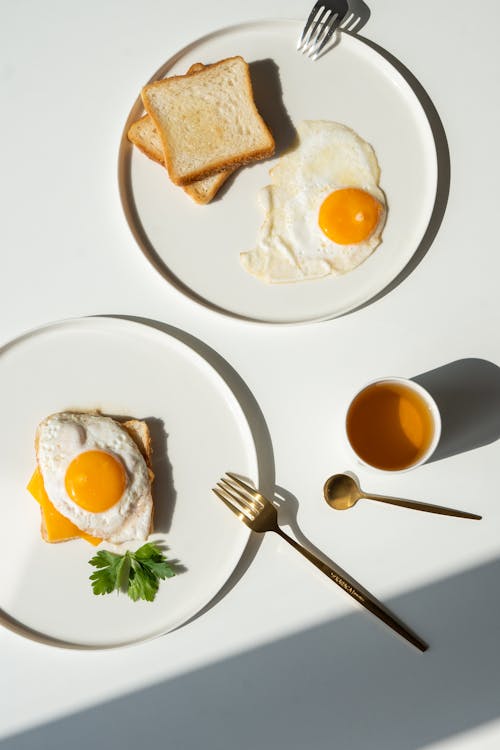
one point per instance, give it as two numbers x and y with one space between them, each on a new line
443 169
258 428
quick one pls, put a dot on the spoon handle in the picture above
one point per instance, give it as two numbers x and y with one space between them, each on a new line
427 507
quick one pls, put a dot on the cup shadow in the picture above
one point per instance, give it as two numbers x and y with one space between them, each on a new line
467 393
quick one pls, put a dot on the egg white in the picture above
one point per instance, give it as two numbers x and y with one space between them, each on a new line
290 244
60 438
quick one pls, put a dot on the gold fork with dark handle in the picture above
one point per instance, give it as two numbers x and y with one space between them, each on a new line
260 515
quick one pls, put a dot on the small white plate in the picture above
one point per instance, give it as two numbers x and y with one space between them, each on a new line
197 248
199 431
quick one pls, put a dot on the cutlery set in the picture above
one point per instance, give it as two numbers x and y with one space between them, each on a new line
341 492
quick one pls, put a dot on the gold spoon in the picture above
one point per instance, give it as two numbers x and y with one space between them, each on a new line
343 492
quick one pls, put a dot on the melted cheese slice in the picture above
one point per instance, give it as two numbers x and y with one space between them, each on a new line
57 527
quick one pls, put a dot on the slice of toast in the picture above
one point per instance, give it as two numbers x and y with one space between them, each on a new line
208 121
143 134
140 434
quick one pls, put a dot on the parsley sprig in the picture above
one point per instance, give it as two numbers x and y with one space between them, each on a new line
138 573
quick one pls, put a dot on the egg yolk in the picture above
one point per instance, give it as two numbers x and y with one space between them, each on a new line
349 216
95 480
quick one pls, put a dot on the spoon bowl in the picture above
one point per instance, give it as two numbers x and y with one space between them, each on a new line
342 492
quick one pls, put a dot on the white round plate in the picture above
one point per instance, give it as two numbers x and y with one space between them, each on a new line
197 247
199 431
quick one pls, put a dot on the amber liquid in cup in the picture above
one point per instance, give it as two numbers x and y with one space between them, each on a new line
390 426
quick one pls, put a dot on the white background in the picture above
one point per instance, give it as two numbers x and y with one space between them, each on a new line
284 659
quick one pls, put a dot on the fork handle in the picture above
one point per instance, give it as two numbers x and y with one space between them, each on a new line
369 602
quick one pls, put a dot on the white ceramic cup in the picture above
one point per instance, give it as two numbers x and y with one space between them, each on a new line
434 413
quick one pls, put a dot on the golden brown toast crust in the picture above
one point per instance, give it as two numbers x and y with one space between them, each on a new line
142 145
137 141
198 191
230 163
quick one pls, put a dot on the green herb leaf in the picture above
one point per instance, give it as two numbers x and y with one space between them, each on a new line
138 573
160 569
107 578
151 557
142 583
148 551
104 558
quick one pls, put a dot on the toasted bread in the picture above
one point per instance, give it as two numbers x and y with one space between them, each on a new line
208 121
143 134
140 434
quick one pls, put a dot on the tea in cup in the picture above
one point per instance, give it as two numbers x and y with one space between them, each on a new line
393 424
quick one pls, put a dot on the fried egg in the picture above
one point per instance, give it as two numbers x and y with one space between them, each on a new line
324 210
95 475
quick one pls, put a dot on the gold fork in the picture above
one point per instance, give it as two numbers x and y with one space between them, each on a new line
260 515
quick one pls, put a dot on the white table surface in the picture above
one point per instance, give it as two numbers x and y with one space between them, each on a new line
282 661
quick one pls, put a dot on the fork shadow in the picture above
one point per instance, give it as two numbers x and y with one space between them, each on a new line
357 17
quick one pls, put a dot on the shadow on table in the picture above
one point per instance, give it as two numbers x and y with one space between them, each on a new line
467 393
348 683
443 167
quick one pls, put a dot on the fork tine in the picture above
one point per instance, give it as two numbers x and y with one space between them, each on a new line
315 29
249 504
324 37
318 30
254 493
245 505
308 25
231 507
